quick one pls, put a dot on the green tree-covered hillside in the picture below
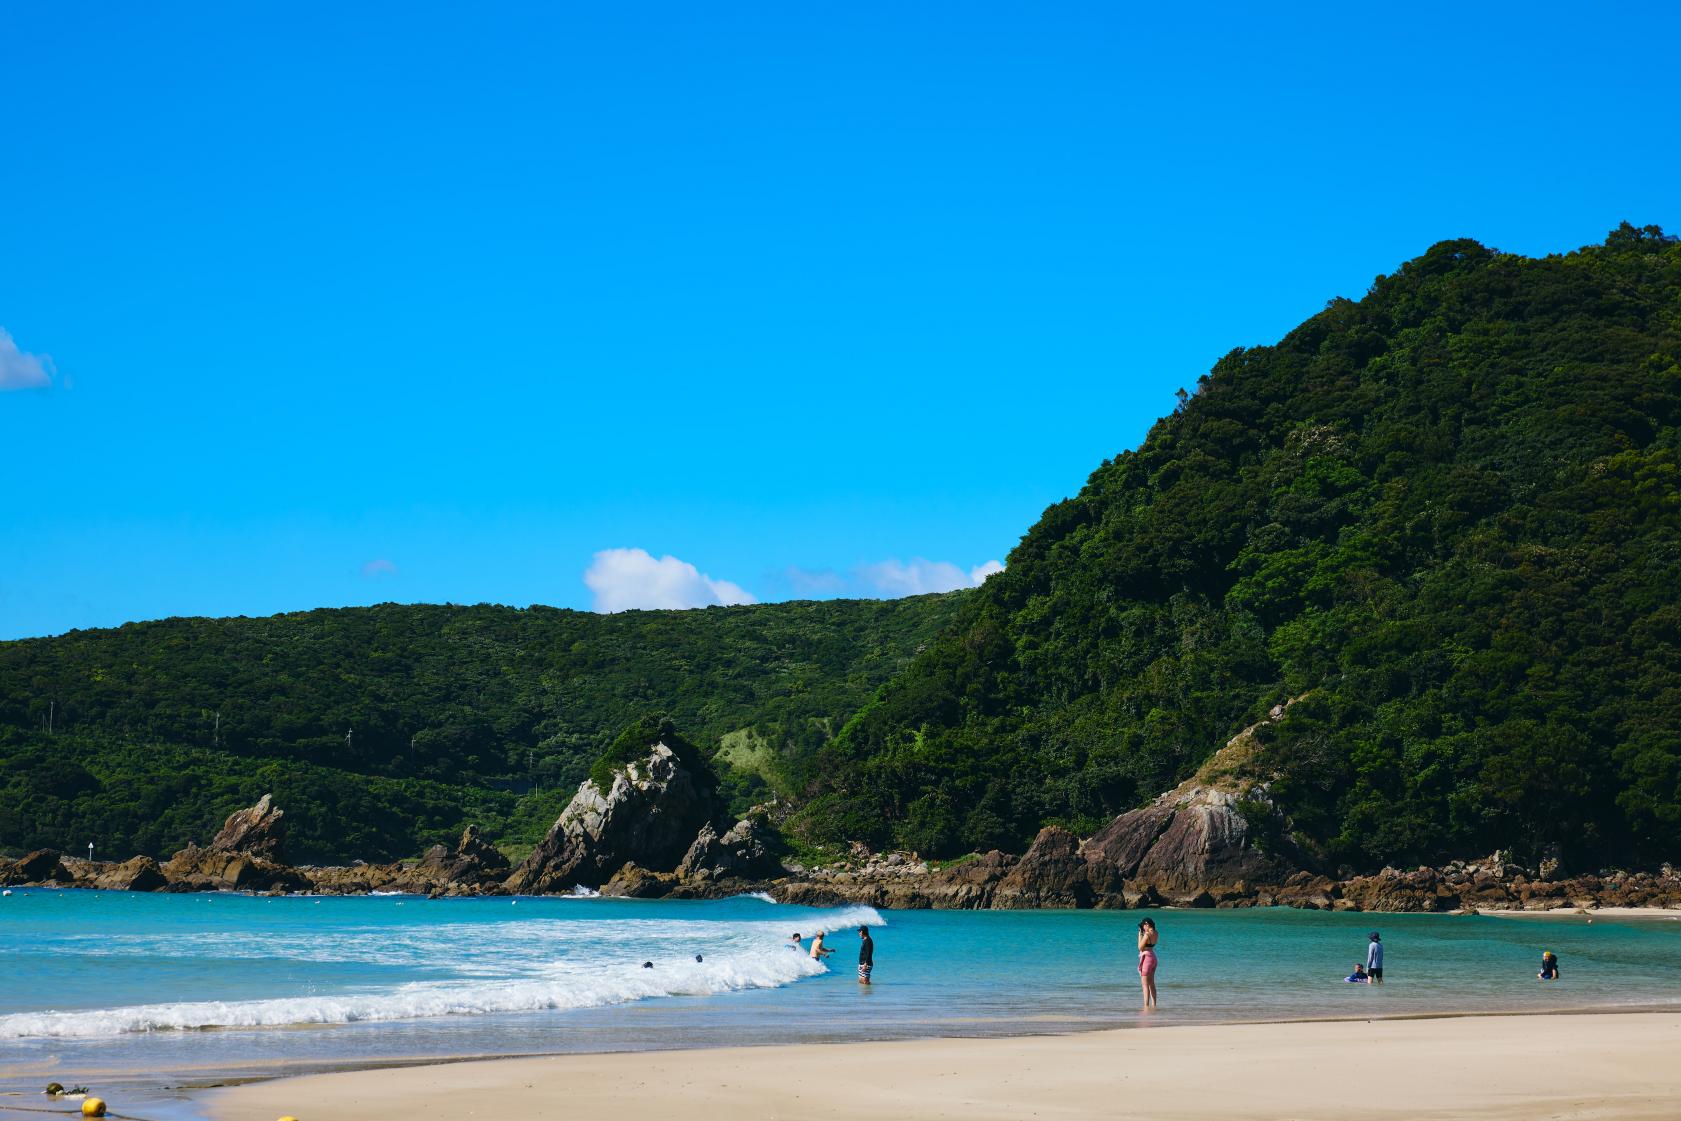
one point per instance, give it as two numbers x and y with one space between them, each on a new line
382 729
1449 512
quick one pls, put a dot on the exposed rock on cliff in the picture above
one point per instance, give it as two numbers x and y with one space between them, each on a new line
1197 839
651 815
257 831
741 853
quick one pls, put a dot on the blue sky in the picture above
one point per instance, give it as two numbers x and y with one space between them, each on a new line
323 304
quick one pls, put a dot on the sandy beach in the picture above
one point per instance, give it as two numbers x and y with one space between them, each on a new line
1518 1067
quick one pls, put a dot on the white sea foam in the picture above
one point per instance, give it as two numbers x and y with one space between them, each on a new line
467 968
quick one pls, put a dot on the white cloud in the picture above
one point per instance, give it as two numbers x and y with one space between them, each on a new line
896 578
814 582
631 579
20 370
375 569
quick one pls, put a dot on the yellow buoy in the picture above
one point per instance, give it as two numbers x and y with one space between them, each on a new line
288 1117
93 1107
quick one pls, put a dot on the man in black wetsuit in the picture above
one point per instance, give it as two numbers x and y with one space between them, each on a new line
866 955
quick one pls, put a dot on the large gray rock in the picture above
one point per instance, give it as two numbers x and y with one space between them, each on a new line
256 831
650 816
740 852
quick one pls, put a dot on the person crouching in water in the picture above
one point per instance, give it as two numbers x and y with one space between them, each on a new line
1147 939
1358 977
1549 966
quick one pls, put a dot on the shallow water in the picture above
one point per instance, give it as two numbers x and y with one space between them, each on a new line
139 995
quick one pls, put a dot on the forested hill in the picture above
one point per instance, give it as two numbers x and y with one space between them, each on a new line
383 729
1448 513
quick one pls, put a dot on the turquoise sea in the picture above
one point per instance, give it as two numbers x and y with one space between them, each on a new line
145 997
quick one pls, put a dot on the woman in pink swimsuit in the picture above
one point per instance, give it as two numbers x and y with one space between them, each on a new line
1147 960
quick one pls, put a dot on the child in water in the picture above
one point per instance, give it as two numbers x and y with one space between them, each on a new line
1549 966
1358 977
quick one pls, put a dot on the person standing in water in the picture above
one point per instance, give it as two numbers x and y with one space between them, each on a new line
1147 938
1374 959
866 955
818 950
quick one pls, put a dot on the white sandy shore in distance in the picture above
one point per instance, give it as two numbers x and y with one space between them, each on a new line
1663 913
1517 1067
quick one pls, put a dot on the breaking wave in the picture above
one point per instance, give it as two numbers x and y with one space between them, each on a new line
508 967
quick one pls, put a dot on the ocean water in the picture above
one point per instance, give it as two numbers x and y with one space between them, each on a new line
146 997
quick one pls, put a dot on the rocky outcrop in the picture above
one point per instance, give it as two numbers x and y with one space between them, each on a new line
258 831
1052 873
473 861
196 869
43 866
658 814
139 873
1197 840
742 852
245 855
635 882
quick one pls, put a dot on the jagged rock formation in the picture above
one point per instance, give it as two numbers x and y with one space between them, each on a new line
198 869
658 814
1052 873
473 861
42 866
741 852
472 867
243 856
258 831
660 831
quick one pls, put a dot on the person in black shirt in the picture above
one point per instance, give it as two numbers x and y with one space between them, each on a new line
866 955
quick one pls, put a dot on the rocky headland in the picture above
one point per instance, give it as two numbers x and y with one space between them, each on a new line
661 830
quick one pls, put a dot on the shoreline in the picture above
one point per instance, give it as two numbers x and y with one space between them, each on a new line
1493 1064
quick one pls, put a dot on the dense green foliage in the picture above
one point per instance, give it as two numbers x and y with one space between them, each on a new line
633 743
1449 512
383 729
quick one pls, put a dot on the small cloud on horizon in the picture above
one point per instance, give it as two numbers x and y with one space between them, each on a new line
633 579
920 576
814 583
21 370
378 568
